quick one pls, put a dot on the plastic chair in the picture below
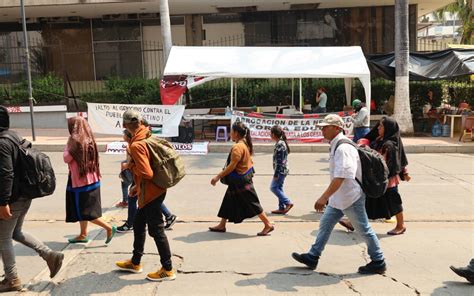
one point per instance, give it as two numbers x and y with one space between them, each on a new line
222 129
467 125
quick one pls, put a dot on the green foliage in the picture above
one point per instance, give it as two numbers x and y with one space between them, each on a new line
127 91
46 89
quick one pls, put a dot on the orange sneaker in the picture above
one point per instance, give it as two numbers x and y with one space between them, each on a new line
161 275
127 265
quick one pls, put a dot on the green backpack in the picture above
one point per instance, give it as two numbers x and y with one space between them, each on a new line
167 165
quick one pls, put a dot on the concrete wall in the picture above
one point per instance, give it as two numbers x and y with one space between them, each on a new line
54 119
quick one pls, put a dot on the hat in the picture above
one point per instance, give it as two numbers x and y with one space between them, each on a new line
332 119
356 103
4 118
130 116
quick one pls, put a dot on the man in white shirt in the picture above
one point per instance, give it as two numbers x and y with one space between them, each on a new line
343 196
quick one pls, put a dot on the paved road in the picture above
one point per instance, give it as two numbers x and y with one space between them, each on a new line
438 207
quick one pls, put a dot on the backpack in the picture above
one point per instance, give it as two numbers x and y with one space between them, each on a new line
167 165
34 175
374 170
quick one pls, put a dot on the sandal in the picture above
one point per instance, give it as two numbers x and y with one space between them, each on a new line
76 240
109 238
394 232
347 225
265 233
214 229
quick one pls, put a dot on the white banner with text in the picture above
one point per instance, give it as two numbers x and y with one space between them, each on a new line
107 118
300 128
196 148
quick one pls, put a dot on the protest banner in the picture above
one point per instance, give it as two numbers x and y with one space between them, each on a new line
196 148
298 128
107 118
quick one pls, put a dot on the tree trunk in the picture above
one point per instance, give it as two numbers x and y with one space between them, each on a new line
402 110
165 29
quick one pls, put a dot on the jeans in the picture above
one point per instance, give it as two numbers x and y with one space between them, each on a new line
127 180
319 110
151 216
132 210
358 216
359 133
277 188
10 230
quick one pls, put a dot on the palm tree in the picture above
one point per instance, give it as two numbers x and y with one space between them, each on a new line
402 110
464 11
165 28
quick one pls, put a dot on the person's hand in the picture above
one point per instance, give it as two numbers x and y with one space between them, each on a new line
407 177
320 204
5 212
215 180
132 191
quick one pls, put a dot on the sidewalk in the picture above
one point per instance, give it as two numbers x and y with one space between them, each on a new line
54 140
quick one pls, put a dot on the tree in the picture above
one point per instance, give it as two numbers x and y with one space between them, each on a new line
463 10
165 28
402 110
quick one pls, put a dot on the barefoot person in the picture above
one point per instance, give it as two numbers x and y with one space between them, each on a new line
240 200
83 202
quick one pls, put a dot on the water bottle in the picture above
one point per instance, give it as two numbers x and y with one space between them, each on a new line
227 111
436 131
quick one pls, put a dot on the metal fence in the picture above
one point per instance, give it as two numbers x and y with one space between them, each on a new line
430 45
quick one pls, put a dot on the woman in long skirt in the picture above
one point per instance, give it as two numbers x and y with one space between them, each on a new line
83 202
240 199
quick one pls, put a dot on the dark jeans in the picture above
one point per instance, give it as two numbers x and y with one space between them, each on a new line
319 110
127 180
151 216
132 210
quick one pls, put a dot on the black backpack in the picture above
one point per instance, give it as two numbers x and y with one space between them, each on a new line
34 174
374 170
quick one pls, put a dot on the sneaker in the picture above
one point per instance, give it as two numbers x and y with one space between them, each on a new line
54 261
127 265
307 259
10 285
122 204
170 221
374 267
161 275
464 272
125 228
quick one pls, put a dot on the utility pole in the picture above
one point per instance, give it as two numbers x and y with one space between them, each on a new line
28 69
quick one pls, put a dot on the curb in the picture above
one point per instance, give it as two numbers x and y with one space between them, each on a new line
296 148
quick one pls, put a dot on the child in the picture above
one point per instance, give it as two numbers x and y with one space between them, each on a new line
280 166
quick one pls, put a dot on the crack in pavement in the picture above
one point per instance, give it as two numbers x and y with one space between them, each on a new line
405 284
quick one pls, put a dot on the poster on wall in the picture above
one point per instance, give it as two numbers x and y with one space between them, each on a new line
196 148
107 118
298 128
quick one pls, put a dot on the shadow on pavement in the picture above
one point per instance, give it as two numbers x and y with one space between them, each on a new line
463 287
91 283
289 278
205 236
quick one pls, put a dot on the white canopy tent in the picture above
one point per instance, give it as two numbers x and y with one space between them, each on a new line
272 62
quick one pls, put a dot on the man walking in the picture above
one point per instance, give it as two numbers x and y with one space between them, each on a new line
344 197
13 210
150 198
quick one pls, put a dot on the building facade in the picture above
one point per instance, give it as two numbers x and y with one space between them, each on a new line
90 40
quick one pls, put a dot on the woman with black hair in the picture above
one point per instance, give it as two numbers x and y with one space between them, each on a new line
280 167
240 200
385 138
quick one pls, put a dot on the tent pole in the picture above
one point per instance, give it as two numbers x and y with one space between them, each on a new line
292 91
301 95
232 94
236 94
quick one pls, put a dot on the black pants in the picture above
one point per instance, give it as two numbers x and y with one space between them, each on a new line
152 216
